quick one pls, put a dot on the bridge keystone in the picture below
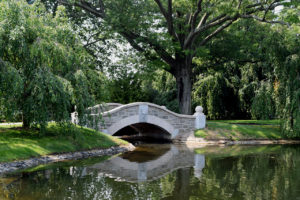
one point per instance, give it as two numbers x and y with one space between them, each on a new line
143 113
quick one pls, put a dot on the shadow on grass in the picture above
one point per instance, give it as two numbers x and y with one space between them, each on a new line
21 144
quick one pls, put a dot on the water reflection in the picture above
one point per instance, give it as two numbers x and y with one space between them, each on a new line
174 172
149 162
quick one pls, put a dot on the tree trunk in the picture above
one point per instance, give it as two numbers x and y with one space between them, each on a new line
184 88
26 123
182 189
25 117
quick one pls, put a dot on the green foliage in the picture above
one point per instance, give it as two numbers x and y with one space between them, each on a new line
261 63
147 27
216 95
246 94
238 56
263 105
125 86
162 90
45 71
287 86
9 77
228 70
97 85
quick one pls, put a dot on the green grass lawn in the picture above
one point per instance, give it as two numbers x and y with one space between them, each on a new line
251 122
10 126
17 143
241 129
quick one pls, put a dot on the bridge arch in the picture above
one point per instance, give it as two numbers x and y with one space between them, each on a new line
135 119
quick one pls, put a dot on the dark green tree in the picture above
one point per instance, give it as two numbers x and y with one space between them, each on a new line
217 96
287 83
44 69
173 32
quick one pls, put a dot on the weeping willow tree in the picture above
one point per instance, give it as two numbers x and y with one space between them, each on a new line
217 95
44 69
287 84
263 106
289 98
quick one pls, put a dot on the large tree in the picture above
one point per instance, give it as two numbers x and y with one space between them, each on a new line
44 69
174 32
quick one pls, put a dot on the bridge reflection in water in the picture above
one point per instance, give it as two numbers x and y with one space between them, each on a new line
231 172
146 163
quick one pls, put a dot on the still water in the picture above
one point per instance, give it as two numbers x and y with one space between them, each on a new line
166 171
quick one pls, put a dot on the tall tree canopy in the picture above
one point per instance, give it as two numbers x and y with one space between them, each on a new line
44 69
258 78
173 32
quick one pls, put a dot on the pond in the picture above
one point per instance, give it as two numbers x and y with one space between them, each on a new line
166 171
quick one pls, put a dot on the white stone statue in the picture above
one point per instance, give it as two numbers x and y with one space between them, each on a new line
200 120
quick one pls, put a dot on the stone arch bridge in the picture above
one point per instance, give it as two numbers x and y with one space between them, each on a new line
146 119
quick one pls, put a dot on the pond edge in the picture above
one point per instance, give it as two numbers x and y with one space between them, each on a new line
190 140
200 142
8 167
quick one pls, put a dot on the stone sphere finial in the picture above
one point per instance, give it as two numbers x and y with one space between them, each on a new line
164 107
199 109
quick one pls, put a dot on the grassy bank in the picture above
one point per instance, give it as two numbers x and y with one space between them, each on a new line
241 130
17 143
275 122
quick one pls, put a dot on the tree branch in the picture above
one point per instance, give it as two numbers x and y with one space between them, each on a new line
218 30
129 36
170 18
203 20
272 6
132 37
165 57
101 4
216 21
240 4
216 18
254 5
162 9
222 61
91 36
94 42
264 20
194 19
85 6
167 15
223 18
269 7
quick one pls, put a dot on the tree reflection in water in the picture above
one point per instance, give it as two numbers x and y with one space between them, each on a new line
271 173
